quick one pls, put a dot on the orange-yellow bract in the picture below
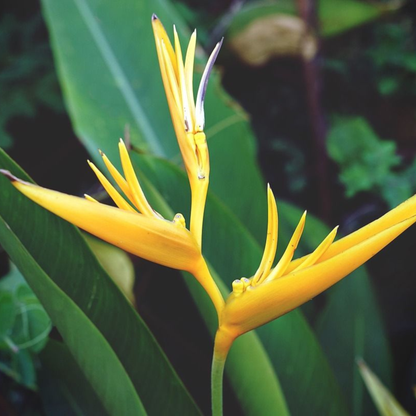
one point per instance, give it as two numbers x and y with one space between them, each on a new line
187 116
272 292
134 226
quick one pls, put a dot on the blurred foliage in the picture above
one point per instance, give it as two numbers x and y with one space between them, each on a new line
331 21
368 163
24 329
394 57
27 75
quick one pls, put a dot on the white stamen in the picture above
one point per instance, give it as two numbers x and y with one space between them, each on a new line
199 107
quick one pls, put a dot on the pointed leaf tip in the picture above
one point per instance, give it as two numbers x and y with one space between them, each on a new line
8 175
11 177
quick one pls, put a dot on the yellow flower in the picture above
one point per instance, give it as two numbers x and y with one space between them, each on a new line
134 226
187 116
272 292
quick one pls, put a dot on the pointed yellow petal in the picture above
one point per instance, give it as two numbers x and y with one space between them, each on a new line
172 103
182 84
139 199
114 195
159 241
172 80
90 198
189 73
185 142
403 211
283 263
319 251
177 116
177 120
161 35
263 303
121 182
271 240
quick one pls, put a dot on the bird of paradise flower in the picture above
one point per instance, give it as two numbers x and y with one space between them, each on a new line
137 228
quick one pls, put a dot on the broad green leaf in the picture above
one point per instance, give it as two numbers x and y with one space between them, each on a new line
90 348
385 402
63 386
62 271
351 318
331 21
354 13
290 345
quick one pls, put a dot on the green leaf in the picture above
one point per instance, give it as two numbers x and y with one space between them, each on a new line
88 344
32 324
354 13
63 386
331 21
385 402
116 263
351 319
365 161
7 314
27 330
103 332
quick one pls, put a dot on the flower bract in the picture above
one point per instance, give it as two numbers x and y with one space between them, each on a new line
274 291
187 113
133 225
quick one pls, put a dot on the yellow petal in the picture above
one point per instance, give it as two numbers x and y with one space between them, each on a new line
161 35
263 303
157 240
90 198
114 195
319 251
271 240
184 139
401 212
139 199
120 181
172 80
189 125
283 263
189 73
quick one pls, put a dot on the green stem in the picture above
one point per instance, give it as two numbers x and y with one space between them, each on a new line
223 341
217 376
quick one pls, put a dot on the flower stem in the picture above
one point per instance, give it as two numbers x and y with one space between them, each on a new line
217 376
203 275
199 196
223 342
